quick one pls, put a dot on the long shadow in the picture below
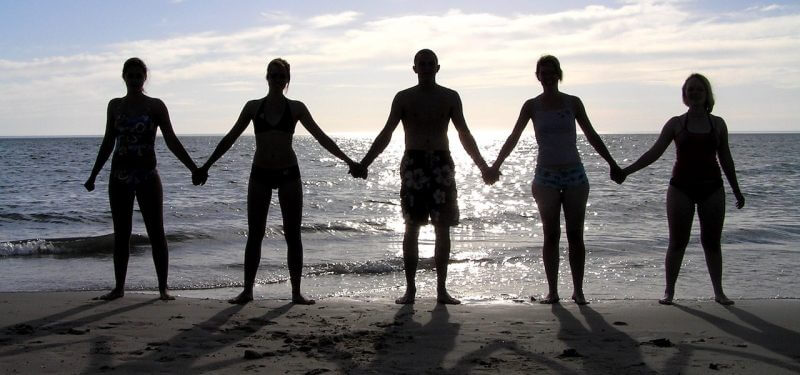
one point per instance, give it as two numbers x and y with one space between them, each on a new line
52 324
592 343
766 334
468 362
183 349
253 326
429 343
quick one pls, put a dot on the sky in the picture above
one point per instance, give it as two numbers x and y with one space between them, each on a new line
60 62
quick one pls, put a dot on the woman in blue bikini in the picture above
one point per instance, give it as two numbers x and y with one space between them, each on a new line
274 167
131 125
560 179
700 140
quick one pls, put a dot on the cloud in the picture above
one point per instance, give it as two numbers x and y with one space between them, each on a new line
643 42
330 20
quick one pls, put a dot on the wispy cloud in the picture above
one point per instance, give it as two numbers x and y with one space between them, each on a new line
641 42
329 20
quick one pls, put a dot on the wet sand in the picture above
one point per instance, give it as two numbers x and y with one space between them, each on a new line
69 333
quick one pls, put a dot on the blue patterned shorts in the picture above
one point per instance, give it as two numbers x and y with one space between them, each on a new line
560 178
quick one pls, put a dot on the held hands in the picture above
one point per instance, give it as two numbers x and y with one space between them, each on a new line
618 174
357 170
200 175
491 175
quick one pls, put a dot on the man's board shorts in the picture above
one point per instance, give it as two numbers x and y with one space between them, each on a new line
428 188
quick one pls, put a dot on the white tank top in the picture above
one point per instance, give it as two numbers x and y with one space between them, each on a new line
556 137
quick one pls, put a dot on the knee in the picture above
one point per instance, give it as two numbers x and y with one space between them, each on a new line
551 234
711 245
575 236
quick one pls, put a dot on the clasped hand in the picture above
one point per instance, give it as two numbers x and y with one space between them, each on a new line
358 170
200 176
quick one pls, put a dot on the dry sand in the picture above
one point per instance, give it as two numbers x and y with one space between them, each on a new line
68 333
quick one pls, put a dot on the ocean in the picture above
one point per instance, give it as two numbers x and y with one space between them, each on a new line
55 236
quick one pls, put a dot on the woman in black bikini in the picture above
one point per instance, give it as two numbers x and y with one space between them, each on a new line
131 125
700 140
274 167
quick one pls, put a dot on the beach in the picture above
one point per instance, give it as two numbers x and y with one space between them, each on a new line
67 332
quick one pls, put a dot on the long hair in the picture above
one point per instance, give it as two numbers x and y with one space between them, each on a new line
709 104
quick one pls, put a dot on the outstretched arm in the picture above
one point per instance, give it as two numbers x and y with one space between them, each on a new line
385 136
465 136
726 162
592 136
323 139
655 151
511 142
171 139
229 139
106 147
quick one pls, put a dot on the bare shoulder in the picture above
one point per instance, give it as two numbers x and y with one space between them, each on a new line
297 107
157 103
674 124
572 101
528 106
719 122
252 106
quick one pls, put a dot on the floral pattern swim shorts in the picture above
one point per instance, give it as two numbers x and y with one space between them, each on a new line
428 188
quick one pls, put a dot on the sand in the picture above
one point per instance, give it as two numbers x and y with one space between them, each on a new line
69 333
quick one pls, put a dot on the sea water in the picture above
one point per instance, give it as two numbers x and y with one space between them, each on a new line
54 235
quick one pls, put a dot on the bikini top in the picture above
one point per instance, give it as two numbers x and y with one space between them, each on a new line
696 153
556 137
135 139
285 124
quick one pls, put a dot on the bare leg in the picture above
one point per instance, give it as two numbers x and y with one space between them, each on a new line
290 196
574 216
120 196
548 200
712 215
442 258
680 213
410 262
258 197
151 203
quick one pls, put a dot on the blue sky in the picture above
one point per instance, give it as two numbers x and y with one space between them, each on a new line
60 61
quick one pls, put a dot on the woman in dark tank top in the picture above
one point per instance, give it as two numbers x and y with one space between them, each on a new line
701 139
274 167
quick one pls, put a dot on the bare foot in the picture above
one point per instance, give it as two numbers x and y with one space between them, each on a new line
110 296
407 298
445 298
550 299
579 299
300 300
723 300
166 297
243 298
667 300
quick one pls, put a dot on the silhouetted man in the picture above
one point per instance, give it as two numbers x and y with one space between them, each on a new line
427 171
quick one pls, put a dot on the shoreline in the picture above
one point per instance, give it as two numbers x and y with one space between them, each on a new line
54 332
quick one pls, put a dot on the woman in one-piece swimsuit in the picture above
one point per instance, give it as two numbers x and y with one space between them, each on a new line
700 140
274 167
131 125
